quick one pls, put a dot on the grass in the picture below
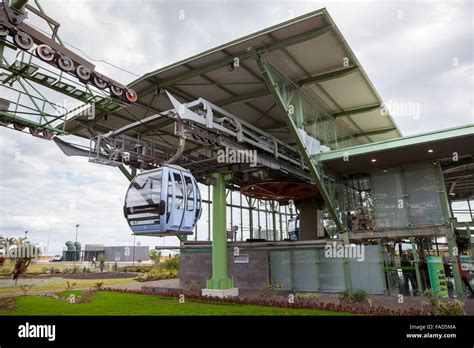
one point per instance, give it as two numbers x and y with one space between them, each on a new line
59 284
76 293
112 303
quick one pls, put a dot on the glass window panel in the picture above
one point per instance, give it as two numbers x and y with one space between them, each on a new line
423 195
305 271
280 269
388 198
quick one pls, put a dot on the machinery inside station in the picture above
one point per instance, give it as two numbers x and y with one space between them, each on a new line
279 139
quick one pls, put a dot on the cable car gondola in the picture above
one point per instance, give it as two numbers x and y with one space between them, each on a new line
162 202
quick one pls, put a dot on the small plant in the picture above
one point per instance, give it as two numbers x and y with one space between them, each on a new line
450 307
99 285
139 261
271 290
25 288
359 297
299 297
430 299
70 286
114 267
155 256
44 269
345 296
74 269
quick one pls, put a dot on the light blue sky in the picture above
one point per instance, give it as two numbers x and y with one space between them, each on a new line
412 51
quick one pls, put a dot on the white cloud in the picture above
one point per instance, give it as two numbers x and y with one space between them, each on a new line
409 59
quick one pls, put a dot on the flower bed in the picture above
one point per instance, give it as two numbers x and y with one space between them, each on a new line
284 304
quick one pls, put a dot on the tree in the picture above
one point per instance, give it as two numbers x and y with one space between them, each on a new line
22 259
155 256
102 260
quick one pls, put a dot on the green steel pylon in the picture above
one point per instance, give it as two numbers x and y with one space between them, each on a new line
220 279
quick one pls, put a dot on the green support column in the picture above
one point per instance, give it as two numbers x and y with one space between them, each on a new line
453 253
416 258
250 217
274 220
220 279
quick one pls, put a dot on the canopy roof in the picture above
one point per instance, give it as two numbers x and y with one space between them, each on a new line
309 50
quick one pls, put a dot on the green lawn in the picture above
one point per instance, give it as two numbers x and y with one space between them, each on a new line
112 303
7 286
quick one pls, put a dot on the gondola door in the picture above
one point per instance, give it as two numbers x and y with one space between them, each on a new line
176 200
190 203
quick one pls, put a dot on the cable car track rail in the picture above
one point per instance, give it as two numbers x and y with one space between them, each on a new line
204 123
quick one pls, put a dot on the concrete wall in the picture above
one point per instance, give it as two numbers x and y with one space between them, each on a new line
125 253
196 268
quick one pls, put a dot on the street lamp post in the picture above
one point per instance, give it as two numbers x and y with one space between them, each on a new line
75 251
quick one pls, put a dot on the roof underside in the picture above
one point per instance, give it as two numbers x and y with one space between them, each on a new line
452 148
309 50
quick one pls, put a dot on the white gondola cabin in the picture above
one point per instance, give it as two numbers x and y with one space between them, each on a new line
164 201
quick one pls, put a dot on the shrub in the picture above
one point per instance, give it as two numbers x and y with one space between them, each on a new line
138 269
171 263
450 307
357 297
158 274
155 256
99 285
306 297
345 295
271 290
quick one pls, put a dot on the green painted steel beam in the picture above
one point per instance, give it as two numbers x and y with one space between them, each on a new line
299 141
328 76
356 111
397 143
128 175
220 279
363 134
243 97
225 61
18 5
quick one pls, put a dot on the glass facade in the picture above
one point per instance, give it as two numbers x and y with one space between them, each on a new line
310 270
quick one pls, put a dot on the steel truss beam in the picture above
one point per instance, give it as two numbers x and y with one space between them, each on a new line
293 128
